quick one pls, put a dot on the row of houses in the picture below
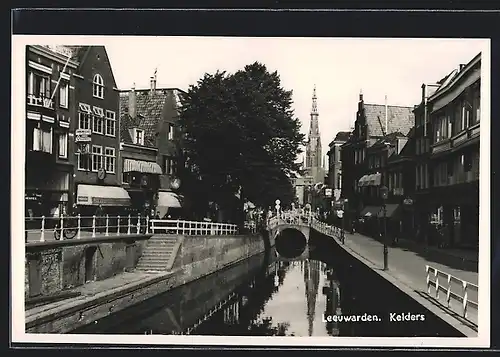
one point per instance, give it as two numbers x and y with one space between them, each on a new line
427 156
89 144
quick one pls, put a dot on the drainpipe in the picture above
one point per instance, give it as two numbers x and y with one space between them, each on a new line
425 111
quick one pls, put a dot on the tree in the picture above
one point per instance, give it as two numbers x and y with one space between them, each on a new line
240 135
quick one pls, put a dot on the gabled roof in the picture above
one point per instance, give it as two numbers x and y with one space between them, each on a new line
400 119
80 53
390 138
342 136
150 109
408 150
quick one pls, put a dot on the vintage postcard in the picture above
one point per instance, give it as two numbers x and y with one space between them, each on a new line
205 190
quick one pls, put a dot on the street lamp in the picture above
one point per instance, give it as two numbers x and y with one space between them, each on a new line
384 191
340 214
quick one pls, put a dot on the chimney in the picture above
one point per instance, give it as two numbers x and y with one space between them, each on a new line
360 95
132 102
386 119
152 84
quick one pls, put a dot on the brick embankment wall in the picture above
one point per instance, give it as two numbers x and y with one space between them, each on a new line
183 306
202 255
65 267
198 256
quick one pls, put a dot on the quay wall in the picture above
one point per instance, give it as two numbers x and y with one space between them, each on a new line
62 268
197 256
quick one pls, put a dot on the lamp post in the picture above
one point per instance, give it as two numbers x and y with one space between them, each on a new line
384 193
340 214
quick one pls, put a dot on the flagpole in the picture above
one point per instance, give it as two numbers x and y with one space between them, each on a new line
60 76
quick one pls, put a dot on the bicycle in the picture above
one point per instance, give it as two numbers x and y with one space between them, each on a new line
69 232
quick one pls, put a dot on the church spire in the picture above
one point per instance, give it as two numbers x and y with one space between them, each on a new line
313 150
314 109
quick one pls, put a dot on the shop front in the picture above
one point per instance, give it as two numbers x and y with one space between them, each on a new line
101 201
169 205
142 180
47 195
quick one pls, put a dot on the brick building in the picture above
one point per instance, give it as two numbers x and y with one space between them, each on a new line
447 157
373 122
334 177
97 134
50 103
149 149
389 163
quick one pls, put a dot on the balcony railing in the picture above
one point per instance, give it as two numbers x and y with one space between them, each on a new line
40 101
440 146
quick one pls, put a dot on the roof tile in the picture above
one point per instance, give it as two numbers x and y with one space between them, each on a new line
149 113
400 119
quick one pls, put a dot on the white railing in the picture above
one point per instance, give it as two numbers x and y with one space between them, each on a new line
455 289
40 229
326 229
289 217
192 227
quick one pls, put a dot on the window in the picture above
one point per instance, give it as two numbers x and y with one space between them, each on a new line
98 123
96 157
63 94
139 136
84 120
109 160
169 166
42 140
110 123
441 128
476 105
63 145
39 85
98 86
83 162
170 131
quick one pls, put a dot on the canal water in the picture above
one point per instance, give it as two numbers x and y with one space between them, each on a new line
325 293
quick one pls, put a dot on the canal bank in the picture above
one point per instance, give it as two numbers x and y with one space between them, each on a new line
195 257
305 297
405 275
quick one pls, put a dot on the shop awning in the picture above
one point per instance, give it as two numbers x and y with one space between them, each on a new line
370 211
391 210
93 195
373 179
146 167
168 199
362 180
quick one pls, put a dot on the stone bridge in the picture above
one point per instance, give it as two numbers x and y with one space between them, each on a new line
290 233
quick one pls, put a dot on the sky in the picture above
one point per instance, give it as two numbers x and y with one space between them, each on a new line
339 67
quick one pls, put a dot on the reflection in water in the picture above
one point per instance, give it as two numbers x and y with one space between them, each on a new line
248 301
263 296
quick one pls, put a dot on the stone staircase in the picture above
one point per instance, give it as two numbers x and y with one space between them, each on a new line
159 253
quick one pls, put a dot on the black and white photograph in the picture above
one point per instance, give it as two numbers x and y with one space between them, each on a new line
204 190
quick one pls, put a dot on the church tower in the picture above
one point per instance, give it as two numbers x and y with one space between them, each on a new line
314 153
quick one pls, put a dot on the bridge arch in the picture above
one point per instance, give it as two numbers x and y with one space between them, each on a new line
290 242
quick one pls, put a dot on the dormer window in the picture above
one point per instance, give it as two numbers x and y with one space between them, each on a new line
98 86
138 136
